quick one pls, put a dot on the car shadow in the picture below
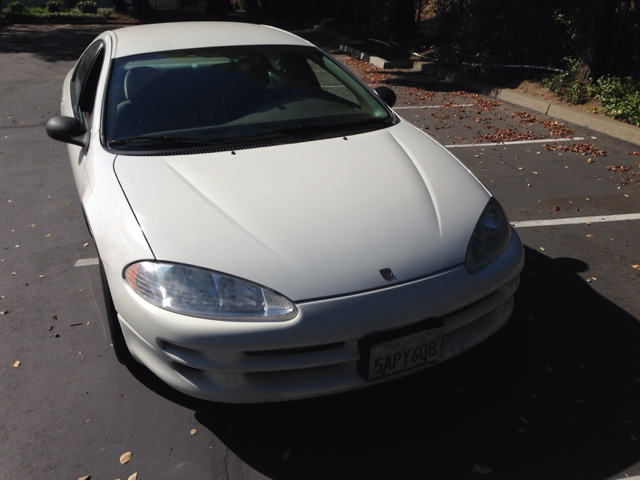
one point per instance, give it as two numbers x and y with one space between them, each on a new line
554 394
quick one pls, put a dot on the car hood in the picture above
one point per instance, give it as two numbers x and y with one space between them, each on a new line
312 219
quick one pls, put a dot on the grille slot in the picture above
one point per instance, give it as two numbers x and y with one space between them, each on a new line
293 351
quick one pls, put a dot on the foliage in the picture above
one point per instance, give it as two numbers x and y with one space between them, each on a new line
619 98
16 7
62 15
473 32
87 6
567 86
55 6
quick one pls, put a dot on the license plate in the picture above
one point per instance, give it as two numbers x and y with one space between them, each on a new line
406 352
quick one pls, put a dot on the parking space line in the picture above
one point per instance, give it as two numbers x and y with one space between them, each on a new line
517 142
434 106
576 220
85 262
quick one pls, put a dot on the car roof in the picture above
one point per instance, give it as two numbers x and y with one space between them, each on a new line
184 35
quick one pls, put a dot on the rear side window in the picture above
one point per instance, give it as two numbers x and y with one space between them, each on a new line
85 79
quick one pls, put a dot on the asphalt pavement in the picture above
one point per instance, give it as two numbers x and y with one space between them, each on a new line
553 395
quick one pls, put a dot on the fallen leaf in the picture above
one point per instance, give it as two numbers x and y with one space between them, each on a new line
125 457
555 209
637 267
4 312
31 226
16 364
542 248
133 477
287 454
85 245
478 469
589 234
192 432
48 235
86 477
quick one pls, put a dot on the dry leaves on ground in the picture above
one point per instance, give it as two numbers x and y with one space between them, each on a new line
505 135
557 128
582 148
619 168
554 126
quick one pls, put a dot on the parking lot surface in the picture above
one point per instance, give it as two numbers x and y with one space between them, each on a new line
553 395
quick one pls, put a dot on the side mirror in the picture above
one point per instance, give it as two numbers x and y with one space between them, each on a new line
387 95
67 130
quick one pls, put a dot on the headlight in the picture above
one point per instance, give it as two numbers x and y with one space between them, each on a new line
490 237
205 293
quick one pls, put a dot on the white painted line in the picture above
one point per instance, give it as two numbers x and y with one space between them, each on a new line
576 220
434 106
85 262
517 142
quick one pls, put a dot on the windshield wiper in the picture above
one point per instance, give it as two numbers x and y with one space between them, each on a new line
161 139
311 128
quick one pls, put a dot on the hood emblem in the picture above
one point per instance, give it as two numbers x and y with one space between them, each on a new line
388 275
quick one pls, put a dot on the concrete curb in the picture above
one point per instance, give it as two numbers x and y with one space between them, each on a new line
606 125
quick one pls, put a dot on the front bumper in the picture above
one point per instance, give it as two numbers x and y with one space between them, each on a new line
316 352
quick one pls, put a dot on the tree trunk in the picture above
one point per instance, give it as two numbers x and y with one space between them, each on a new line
141 8
594 45
218 7
402 17
119 6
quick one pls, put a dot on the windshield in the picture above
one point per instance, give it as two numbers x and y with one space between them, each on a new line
232 96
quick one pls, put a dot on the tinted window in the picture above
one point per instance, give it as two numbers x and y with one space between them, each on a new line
83 67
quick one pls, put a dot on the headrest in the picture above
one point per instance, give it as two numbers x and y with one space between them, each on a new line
137 79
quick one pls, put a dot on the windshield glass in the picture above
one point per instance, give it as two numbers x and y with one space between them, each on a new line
228 96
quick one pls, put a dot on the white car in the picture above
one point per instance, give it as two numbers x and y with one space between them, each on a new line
268 228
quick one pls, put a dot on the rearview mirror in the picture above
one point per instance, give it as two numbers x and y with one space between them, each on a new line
67 130
387 95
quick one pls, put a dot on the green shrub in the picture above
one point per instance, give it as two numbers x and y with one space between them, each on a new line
87 6
566 85
16 7
55 6
619 98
